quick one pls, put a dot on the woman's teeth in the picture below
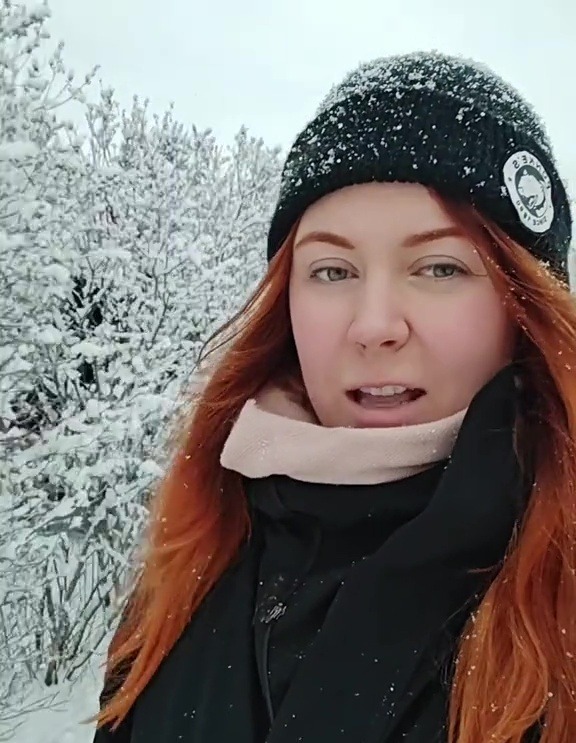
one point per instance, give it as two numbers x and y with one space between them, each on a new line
389 389
386 397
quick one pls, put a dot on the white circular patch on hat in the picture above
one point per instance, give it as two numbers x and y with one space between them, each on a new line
530 190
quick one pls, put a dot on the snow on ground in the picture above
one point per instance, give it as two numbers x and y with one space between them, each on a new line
56 717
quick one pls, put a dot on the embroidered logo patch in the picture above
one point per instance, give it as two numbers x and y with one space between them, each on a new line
530 190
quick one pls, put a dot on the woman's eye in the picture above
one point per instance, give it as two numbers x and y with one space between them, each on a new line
443 270
439 270
330 274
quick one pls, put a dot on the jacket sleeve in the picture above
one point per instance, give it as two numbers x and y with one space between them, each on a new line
123 733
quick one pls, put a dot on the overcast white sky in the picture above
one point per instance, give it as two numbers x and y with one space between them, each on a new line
268 63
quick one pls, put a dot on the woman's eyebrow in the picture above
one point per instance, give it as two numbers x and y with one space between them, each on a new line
412 241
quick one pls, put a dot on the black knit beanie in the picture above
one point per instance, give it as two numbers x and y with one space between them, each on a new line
443 122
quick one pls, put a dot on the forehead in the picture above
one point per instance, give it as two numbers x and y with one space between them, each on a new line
378 200
370 210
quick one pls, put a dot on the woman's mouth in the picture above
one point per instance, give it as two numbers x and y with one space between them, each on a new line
389 396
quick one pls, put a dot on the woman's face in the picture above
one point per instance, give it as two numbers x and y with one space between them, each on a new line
386 292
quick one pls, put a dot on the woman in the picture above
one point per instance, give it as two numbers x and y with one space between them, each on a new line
367 531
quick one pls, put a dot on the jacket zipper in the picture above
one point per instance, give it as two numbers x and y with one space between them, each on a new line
271 612
268 619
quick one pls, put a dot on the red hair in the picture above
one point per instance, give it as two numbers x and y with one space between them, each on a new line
515 664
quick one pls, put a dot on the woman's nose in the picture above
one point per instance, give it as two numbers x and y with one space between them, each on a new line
379 319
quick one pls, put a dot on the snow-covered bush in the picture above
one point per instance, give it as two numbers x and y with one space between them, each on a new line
118 254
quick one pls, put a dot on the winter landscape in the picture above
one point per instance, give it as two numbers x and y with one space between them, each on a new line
121 249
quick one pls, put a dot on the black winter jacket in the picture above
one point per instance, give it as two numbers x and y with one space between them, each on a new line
338 621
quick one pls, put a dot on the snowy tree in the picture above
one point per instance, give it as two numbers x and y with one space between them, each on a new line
34 146
119 255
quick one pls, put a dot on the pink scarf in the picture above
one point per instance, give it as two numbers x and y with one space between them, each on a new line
274 435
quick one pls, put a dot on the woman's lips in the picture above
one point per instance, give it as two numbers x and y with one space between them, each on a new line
381 402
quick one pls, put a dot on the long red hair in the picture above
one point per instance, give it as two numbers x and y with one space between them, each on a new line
515 663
